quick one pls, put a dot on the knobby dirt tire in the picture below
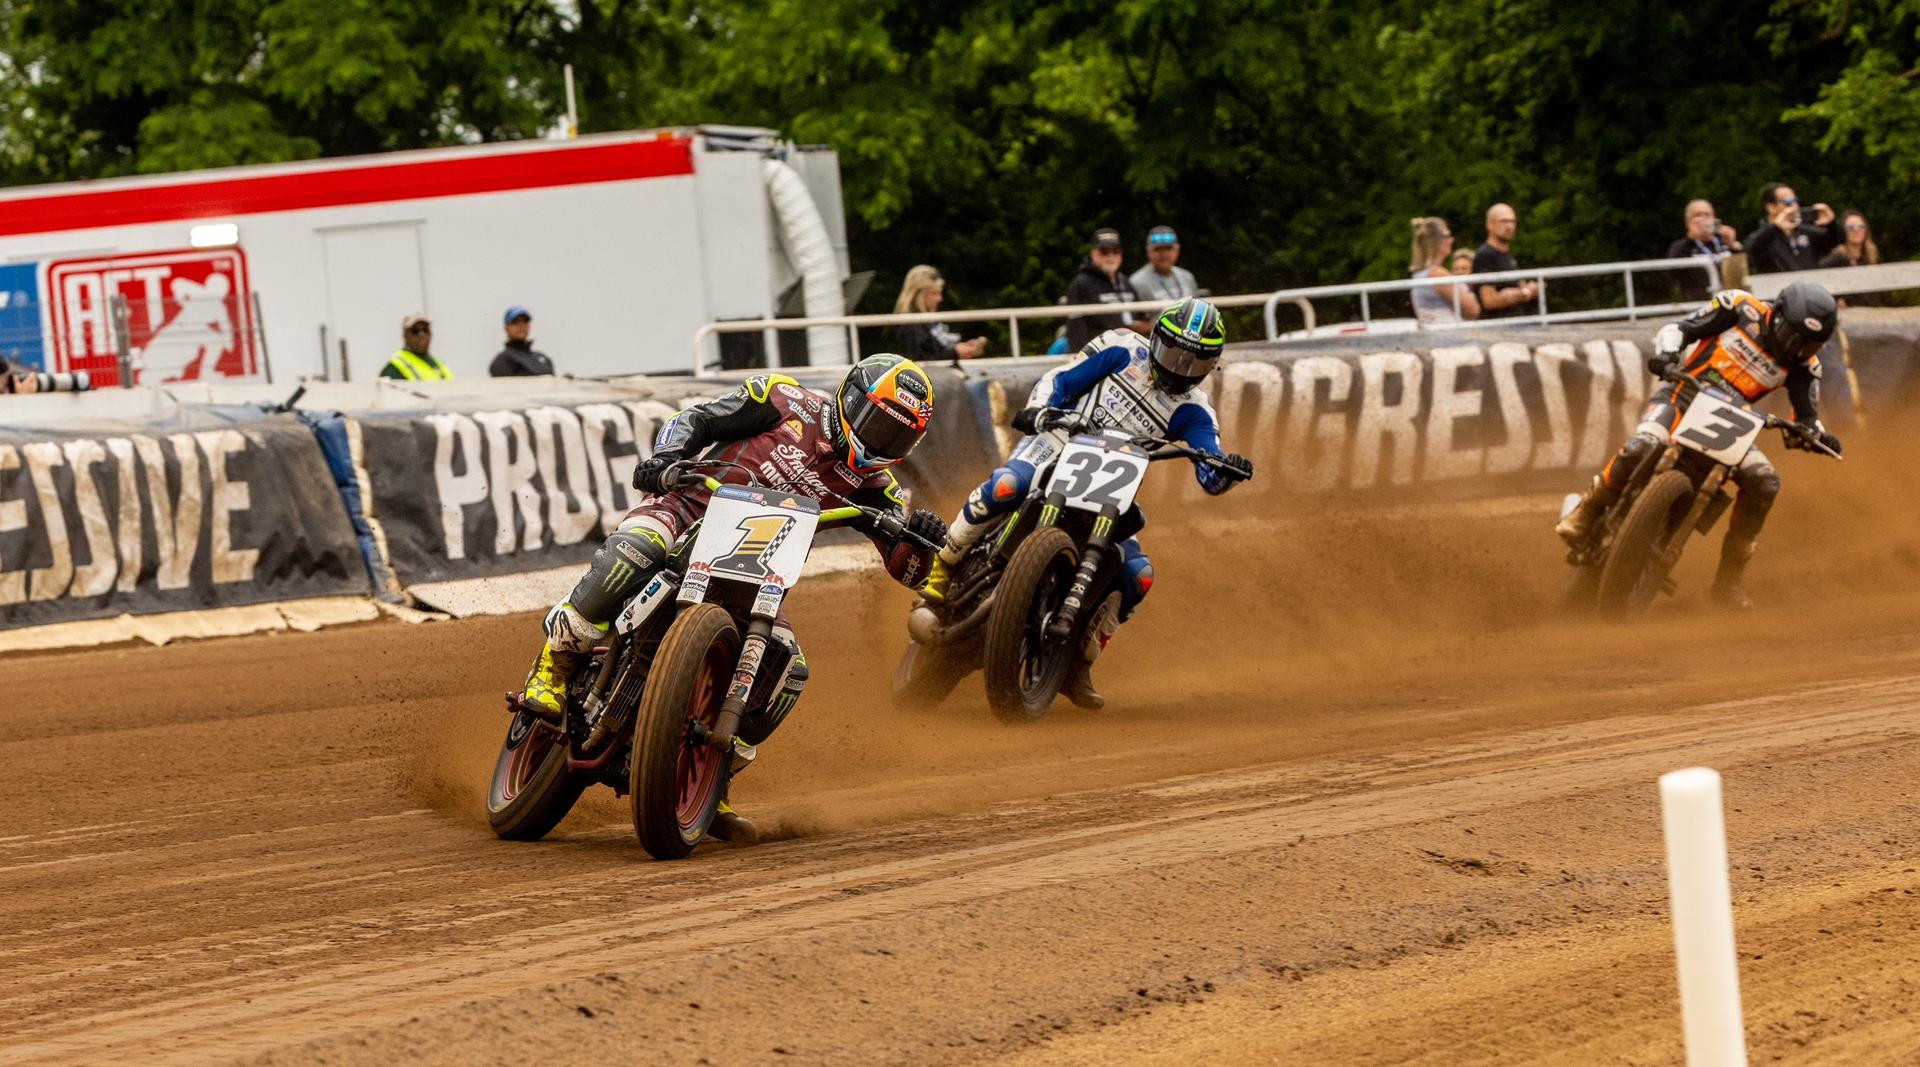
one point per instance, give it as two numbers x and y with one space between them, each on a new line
1626 587
532 790
689 679
1022 678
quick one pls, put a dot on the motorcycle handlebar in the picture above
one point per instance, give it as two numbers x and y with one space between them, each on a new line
1772 422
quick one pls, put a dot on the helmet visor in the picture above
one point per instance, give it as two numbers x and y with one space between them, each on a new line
1789 341
1183 362
880 430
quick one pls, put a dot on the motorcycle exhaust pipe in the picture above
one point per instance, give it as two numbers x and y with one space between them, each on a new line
924 627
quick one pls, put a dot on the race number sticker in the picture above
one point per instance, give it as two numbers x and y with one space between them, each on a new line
754 537
1092 478
1722 431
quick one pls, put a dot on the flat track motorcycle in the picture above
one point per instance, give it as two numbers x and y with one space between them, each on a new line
1020 601
1629 557
690 667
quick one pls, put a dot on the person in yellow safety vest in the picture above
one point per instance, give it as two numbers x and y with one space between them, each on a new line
413 362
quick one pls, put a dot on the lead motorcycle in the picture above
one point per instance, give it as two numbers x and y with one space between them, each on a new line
1629 557
1020 602
690 667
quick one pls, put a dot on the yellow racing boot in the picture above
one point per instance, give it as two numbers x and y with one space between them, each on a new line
546 691
934 589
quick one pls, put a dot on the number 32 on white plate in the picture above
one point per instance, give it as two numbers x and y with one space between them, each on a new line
1091 477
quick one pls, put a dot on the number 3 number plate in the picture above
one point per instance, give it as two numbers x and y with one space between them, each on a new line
1721 430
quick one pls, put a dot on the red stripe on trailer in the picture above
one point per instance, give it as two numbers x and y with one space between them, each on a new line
339 186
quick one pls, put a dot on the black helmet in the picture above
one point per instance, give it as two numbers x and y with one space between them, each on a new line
1803 319
1187 341
882 410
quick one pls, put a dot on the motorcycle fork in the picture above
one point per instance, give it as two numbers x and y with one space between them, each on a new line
753 651
1702 496
1098 544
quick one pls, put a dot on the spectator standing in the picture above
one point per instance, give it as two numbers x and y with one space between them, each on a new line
1504 299
1856 249
1432 244
1163 279
922 293
1788 240
1461 262
1099 281
1706 236
413 363
518 359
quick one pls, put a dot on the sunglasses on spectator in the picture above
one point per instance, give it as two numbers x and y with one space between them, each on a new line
419 329
1855 226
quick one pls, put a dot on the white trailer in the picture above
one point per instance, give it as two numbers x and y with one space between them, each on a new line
621 245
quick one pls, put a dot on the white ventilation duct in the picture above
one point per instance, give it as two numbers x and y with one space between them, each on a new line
809 248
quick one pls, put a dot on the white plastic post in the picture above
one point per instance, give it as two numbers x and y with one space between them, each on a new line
1696 835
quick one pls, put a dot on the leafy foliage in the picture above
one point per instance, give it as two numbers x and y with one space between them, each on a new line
1289 141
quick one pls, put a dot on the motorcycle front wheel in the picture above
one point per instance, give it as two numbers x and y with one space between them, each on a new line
1633 575
1024 669
678 786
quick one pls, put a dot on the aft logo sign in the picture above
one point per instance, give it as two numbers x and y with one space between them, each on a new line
189 315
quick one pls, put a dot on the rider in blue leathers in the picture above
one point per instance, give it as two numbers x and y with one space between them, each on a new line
1122 381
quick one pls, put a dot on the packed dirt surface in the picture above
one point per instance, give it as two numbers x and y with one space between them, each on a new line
1360 796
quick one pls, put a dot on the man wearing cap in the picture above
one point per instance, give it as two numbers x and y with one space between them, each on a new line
518 359
1099 281
1161 279
413 363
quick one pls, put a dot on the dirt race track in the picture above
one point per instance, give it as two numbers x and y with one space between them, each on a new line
1360 797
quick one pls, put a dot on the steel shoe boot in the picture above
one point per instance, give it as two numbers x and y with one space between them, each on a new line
732 827
1080 688
1727 590
546 692
1577 525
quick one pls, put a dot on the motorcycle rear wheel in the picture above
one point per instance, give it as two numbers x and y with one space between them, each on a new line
1024 670
676 787
1632 578
532 790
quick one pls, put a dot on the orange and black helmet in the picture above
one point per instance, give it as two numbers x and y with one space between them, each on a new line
882 410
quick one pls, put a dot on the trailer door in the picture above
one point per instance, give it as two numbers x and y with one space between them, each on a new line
375 278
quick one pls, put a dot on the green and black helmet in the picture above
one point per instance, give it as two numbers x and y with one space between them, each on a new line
1187 341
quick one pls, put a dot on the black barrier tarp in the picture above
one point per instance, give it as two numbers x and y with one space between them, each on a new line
238 510
470 494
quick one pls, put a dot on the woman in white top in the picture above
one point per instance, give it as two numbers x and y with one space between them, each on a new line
1434 305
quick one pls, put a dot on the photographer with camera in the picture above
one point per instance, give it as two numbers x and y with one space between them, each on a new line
14 379
1706 236
1793 237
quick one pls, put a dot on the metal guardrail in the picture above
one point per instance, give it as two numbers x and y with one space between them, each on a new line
1840 281
1625 269
1011 316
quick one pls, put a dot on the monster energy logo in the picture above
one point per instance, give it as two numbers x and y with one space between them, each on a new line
618 574
1101 525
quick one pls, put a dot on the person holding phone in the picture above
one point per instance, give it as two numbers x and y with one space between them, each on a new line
923 292
1794 235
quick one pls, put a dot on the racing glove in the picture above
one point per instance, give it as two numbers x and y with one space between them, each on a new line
1795 440
927 527
1666 349
1235 467
1046 420
652 475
